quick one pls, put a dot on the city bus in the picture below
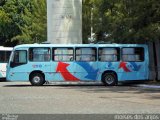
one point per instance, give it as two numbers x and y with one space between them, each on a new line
4 58
106 63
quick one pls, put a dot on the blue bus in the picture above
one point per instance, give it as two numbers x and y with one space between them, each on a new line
108 63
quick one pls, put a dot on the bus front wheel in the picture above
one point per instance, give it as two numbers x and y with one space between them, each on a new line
37 79
109 79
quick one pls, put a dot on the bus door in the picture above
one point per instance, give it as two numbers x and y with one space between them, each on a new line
18 65
86 63
63 66
133 65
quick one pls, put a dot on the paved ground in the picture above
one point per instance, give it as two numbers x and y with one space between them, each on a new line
20 97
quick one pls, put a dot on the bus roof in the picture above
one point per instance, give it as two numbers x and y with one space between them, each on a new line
79 45
6 48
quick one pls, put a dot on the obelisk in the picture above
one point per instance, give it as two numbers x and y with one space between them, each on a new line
64 21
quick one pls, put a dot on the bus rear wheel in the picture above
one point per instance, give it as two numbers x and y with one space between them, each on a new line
109 79
37 79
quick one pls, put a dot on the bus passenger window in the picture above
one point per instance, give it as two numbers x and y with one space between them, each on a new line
39 54
62 54
133 54
85 54
108 54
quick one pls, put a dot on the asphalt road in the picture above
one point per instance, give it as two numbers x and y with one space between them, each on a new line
22 98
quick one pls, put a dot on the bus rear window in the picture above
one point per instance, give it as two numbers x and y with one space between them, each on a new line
4 56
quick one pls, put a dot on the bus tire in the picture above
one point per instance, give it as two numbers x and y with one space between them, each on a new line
109 79
37 79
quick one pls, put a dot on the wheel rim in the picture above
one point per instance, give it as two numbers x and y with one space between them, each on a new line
109 79
36 79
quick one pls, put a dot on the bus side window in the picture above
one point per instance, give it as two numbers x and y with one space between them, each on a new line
108 54
62 54
85 54
39 54
133 54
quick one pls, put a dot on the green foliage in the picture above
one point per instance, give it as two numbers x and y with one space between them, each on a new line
5 21
86 19
126 21
23 21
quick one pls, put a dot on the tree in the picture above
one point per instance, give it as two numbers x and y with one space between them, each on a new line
34 27
122 21
126 21
26 21
86 18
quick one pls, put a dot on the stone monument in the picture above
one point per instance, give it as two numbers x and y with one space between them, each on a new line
64 21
